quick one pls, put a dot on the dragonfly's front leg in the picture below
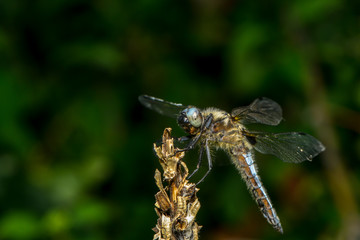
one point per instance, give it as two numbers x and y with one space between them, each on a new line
183 138
203 146
208 154
177 139
195 139
199 162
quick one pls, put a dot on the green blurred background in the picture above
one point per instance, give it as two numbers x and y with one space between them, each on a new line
76 158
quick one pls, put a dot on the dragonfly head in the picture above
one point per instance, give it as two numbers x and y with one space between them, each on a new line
190 119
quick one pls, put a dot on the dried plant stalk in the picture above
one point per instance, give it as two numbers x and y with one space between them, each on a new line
176 204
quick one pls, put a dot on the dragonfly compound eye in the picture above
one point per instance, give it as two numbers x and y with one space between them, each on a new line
194 116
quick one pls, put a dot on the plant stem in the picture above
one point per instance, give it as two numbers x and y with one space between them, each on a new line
176 203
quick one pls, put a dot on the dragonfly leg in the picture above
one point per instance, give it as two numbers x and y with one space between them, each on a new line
183 138
207 121
190 146
176 139
209 161
195 139
199 162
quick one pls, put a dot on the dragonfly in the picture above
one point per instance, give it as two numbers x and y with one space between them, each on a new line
214 128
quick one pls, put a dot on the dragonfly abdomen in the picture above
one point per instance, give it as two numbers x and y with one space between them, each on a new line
245 164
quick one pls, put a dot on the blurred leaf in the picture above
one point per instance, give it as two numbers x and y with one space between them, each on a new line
12 104
19 225
96 54
313 10
90 213
292 67
246 68
56 222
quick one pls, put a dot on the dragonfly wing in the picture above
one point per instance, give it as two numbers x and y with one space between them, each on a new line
292 147
161 106
261 110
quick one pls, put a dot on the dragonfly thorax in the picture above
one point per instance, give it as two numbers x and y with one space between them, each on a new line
190 119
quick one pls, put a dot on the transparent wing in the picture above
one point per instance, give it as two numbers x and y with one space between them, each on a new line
261 110
161 106
292 147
